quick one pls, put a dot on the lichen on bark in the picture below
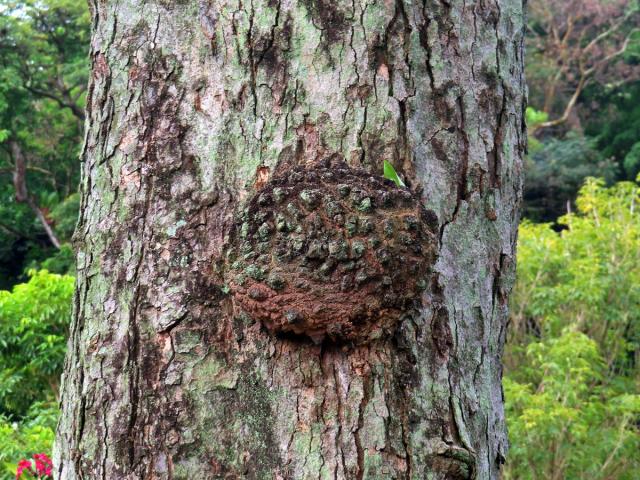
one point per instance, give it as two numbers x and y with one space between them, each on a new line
193 107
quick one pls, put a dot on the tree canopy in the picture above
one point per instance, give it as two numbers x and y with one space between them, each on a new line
43 76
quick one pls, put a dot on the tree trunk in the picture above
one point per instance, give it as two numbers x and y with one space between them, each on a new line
253 299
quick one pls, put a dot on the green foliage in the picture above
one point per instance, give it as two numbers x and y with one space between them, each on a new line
564 420
33 434
534 118
555 171
33 326
61 262
391 174
34 319
571 387
43 76
617 127
65 214
586 272
631 161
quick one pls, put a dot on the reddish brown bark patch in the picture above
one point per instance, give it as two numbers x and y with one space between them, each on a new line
330 252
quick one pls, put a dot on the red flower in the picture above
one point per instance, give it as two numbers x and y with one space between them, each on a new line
22 466
43 464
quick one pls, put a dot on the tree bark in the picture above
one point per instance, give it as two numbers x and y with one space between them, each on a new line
194 110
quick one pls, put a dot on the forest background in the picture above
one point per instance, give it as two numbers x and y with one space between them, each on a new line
572 360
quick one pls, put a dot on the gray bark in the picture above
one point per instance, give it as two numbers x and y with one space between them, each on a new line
193 109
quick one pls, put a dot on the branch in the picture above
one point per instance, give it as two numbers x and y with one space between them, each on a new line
567 110
608 32
79 93
22 194
10 230
584 79
29 167
613 55
77 111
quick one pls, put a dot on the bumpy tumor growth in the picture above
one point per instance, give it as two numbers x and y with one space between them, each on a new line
331 252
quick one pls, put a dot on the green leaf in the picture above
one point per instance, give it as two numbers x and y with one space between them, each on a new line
391 174
535 117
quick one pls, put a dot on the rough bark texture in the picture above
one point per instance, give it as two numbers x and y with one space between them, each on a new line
193 109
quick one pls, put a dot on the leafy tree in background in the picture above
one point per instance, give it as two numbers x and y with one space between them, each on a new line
586 274
573 356
43 74
34 319
574 43
565 420
33 434
617 127
555 171
583 70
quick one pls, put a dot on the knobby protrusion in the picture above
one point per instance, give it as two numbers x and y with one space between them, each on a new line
331 252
